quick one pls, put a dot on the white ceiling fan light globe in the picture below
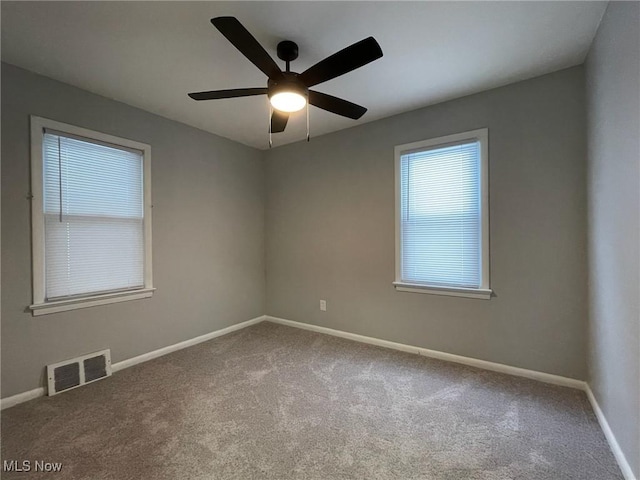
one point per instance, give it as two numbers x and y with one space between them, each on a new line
288 101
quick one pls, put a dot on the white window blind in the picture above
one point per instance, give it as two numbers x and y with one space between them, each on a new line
441 223
93 217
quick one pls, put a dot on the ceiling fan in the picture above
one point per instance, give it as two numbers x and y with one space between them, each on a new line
289 91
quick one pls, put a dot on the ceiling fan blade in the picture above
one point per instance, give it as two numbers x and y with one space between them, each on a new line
236 92
240 37
346 60
278 121
336 105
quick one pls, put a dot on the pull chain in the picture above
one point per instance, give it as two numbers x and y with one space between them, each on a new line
270 117
307 120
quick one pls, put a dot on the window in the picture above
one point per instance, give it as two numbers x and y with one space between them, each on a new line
442 216
91 218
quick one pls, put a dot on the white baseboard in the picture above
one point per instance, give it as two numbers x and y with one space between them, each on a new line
41 391
449 357
22 397
145 357
611 438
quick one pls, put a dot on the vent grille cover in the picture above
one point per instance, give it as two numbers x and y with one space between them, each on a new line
78 371
66 376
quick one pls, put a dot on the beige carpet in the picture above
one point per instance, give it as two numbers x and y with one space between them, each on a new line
275 402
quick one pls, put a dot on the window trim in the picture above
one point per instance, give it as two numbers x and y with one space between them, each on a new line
484 292
40 305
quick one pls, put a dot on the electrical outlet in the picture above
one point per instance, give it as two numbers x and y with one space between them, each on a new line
323 305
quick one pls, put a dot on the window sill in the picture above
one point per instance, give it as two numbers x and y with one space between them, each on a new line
85 302
484 294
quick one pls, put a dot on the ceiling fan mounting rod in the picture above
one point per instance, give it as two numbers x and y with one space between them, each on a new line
287 51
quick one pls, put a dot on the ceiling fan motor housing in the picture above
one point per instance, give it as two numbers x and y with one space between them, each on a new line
288 83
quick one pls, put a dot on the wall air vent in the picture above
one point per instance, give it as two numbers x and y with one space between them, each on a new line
63 376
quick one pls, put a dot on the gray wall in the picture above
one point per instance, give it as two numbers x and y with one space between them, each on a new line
208 231
330 230
613 100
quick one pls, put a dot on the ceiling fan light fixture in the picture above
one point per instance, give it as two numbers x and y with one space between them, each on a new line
288 101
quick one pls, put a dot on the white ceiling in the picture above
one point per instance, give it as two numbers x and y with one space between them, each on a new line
151 54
